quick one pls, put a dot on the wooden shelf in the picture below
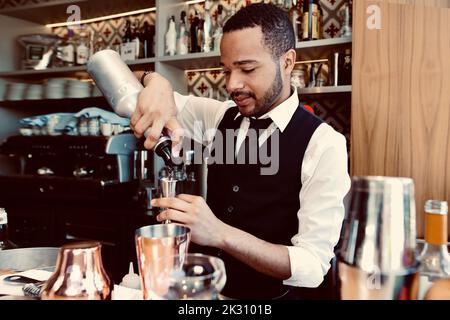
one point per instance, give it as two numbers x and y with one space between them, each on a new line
55 11
327 89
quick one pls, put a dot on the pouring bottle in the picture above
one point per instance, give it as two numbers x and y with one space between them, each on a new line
121 89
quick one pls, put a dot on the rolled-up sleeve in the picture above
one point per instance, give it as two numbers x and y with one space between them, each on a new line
325 182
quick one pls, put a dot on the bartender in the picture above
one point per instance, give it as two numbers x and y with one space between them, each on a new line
275 229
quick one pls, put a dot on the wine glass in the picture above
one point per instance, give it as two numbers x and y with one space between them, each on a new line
187 277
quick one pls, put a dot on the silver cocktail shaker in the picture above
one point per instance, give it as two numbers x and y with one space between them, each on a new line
121 88
378 257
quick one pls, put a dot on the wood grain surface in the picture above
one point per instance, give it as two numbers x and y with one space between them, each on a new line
401 96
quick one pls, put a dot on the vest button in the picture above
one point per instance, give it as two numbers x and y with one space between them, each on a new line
236 189
230 209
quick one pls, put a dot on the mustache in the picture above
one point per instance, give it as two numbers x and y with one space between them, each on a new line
242 95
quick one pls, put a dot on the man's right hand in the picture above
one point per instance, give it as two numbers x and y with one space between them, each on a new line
155 110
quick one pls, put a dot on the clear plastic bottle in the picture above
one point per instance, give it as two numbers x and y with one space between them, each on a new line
434 258
5 243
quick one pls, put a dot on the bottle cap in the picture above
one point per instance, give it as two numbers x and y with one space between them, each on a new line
436 207
131 280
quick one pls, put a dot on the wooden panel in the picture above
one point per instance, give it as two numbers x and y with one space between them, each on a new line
401 100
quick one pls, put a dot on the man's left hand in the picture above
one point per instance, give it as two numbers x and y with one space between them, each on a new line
193 212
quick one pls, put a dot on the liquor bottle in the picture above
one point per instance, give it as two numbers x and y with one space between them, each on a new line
218 31
128 36
147 38
136 38
434 258
5 243
128 47
171 37
193 33
200 35
345 68
294 16
311 20
346 19
66 50
183 36
207 28
83 48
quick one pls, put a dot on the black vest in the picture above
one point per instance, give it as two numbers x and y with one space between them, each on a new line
265 206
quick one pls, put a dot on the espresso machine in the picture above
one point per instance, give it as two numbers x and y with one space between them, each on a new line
74 167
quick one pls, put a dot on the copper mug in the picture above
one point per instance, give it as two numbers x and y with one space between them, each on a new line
79 274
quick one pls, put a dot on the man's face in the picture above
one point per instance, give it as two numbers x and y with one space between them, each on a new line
253 79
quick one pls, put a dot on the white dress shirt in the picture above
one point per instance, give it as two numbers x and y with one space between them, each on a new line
324 177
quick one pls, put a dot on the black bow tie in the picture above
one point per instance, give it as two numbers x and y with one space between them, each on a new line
260 124
257 124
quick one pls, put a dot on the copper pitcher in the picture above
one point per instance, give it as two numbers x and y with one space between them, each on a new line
79 274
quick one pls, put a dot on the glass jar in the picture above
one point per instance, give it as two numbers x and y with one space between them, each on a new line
298 78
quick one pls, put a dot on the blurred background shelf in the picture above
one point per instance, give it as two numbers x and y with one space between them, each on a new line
76 71
63 105
56 11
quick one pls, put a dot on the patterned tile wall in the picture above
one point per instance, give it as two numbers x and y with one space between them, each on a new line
111 31
334 109
4 4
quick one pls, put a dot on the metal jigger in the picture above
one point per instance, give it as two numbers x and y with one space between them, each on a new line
168 189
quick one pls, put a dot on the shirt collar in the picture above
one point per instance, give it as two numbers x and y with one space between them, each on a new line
282 114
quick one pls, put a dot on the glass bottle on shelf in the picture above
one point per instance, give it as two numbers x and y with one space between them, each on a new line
183 36
136 38
434 258
207 28
345 15
83 48
294 16
218 31
5 243
200 35
65 53
311 20
99 43
345 70
193 33
128 47
147 39
171 38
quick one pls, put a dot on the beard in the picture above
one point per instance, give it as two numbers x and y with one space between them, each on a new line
263 105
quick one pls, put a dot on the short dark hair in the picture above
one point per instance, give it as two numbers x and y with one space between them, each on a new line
276 27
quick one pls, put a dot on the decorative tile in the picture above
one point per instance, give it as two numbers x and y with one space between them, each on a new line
332 108
4 4
112 30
